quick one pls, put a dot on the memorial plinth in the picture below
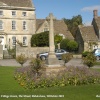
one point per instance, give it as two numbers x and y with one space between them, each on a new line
52 59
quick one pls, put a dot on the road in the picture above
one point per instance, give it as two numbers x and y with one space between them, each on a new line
12 62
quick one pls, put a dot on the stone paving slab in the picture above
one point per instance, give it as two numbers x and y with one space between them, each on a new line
12 62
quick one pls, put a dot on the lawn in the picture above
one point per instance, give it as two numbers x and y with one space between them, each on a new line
9 86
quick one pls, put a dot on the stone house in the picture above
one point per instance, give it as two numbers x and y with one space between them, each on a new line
60 28
88 37
17 22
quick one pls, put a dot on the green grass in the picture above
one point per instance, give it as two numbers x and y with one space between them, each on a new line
9 86
97 63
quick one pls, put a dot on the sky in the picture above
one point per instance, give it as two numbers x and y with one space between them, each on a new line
67 9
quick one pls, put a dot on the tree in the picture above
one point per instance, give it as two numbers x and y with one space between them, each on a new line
73 23
64 43
21 59
58 39
72 45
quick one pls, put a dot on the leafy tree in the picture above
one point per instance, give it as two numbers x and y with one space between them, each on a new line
72 45
73 23
58 39
64 43
21 59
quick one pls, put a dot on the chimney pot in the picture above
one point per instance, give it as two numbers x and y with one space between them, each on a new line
95 13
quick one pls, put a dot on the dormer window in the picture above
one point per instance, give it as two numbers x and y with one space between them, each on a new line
23 13
13 13
1 13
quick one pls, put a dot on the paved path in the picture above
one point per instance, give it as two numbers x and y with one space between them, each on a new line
13 62
78 62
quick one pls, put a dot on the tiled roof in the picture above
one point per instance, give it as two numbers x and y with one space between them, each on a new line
18 3
59 27
39 22
88 33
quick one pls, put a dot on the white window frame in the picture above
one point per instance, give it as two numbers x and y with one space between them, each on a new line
13 13
24 14
1 13
24 41
1 25
13 40
24 25
13 25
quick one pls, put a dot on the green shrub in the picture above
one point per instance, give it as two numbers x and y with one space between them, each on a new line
21 59
89 60
69 45
12 52
64 43
72 45
85 53
40 39
36 64
67 57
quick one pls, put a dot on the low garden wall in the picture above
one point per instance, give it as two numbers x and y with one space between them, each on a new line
30 51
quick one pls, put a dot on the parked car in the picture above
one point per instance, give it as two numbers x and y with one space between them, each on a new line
58 52
97 53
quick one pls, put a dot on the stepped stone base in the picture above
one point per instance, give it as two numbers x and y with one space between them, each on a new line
52 60
53 70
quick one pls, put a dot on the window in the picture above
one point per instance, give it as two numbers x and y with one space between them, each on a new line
1 25
1 13
24 25
14 40
23 13
24 40
13 13
45 29
13 25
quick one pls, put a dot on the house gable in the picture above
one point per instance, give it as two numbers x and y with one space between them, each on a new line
59 27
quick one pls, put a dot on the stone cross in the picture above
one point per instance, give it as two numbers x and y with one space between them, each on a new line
52 59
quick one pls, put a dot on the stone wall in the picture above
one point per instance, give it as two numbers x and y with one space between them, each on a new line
1 51
30 51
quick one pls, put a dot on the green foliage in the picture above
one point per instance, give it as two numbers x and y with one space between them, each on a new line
69 45
73 23
64 43
12 52
36 64
70 76
40 40
89 60
21 59
67 57
58 39
85 53
72 45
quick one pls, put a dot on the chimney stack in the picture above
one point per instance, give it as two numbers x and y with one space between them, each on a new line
95 13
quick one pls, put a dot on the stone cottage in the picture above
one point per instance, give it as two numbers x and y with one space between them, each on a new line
60 28
88 37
